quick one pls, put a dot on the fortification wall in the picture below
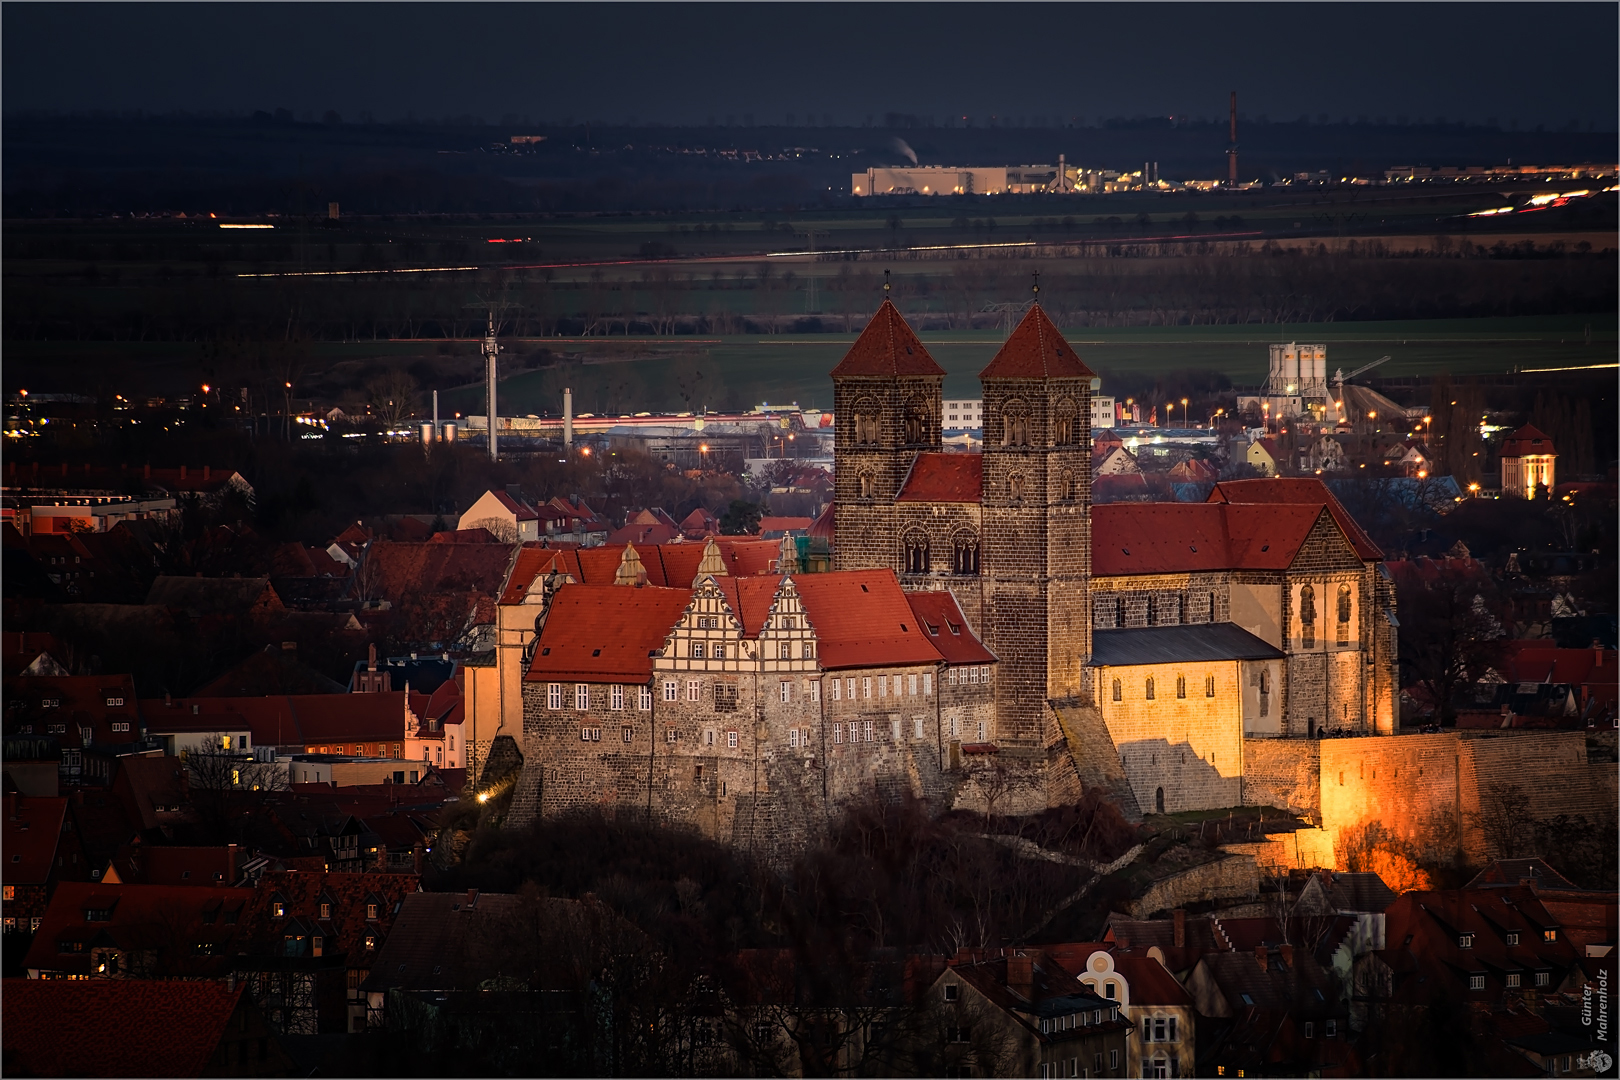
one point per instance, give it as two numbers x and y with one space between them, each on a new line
1285 773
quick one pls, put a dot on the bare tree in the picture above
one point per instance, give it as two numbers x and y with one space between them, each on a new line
392 396
227 785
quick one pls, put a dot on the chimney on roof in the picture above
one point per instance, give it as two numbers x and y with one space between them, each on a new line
472 900
1597 652
371 657
1179 917
1260 955
206 470
1021 975
182 472
230 864
1288 956
64 470
146 473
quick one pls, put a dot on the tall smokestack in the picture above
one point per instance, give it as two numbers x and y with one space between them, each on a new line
568 418
490 350
435 414
1231 148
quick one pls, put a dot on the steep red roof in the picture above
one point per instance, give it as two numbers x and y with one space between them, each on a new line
605 633
1527 440
1036 350
639 534
78 701
397 571
670 566
957 478
750 599
116 1027
1539 661
345 925
887 347
947 629
1167 538
162 864
512 506
32 828
1305 490
861 619
783 524
1150 982
823 527
170 919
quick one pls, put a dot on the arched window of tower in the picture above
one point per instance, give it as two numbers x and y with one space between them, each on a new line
919 421
1015 486
1065 431
1015 423
915 550
965 553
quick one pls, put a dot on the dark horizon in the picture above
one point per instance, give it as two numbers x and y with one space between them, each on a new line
1506 65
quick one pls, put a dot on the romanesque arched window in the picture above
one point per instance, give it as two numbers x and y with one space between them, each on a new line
1181 686
1066 486
1344 615
1015 486
1307 617
1149 688
965 553
1119 690
914 548
919 420
866 485
866 426
1065 427
1015 424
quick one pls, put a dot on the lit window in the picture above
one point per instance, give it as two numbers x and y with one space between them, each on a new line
1549 936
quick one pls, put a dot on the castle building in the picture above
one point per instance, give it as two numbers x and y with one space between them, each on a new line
985 638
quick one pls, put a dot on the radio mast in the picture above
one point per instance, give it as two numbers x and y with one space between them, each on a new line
490 351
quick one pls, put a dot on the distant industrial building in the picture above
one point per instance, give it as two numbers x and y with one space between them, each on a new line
1061 178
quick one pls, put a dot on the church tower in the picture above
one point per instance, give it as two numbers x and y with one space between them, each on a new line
886 396
1037 526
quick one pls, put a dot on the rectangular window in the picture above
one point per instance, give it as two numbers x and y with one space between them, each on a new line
1513 938
928 683
1543 978
815 690
950 676
669 735
694 690
1209 686
1476 982
731 740
1113 1059
725 697
849 688
810 650
866 686
916 727
1310 1030
899 684
838 734
554 695
616 697
672 690
787 692
582 696
646 699
717 652
1331 1028
868 731
854 732
626 732
1549 936
894 729
697 650
837 689
793 738
584 734
883 686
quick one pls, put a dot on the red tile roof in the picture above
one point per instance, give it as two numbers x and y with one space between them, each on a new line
1150 982
1036 350
952 478
887 347
22 648
1166 538
784 524
162 864
861 619
345 928
33 827
480 535
640 534
293 720
1539 661
947 629
1306 490
1527 440
750 599
519 510
671 566
401 571
605 633
823 527
115 1027
174 918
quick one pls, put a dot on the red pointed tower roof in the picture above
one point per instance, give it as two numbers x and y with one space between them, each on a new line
887 347
1036 350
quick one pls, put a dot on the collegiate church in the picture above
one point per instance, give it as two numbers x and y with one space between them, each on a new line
986 638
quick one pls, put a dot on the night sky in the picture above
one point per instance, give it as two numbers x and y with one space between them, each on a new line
1548 64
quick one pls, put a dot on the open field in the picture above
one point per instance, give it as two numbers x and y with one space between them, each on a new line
748 370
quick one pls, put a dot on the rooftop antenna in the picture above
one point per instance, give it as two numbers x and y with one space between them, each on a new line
1231 146
490 351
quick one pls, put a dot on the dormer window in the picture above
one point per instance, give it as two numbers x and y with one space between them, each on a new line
1465 941
326 909
1548 937
371 909
278 907
1513 937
